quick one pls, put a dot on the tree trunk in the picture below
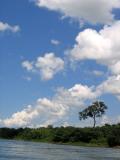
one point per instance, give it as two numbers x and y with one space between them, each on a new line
94 121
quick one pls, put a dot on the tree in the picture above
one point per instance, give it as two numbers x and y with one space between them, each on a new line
97 109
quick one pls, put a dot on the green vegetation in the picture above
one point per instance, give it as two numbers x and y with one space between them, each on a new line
108 135
97 109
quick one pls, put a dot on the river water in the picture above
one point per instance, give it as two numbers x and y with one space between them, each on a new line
20 150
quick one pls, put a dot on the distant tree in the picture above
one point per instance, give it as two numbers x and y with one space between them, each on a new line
50 126
97 109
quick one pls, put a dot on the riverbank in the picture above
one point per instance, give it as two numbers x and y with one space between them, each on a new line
108 135
81 144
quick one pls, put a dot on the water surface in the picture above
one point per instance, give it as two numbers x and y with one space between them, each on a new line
20 150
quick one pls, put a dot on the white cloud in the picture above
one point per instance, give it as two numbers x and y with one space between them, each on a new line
61 108
110 120
28 65
21 118
47 66
55 42
106 120
102 46
82 91
115 68
56 111
93 11
111 86
7 27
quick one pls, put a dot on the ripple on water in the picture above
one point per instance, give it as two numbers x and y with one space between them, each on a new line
20 150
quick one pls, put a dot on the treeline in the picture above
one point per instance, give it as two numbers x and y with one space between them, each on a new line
108 135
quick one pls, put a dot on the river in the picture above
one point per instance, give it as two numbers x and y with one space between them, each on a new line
20 150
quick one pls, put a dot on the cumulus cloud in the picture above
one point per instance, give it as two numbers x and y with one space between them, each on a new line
47 66
7 27
102 46
62 107
56 110
82 91
21 118
55 42
83 10
115 68
111 86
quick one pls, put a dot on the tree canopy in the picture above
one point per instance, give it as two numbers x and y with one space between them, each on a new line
97 109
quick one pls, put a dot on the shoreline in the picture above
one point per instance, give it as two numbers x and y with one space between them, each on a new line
105 136
78 144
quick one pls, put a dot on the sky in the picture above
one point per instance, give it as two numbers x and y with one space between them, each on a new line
56 58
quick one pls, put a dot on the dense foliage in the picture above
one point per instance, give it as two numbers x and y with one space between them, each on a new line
108 135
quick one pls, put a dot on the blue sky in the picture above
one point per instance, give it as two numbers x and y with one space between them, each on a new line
58 57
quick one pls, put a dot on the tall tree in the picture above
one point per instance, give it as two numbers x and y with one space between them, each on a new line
97 109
